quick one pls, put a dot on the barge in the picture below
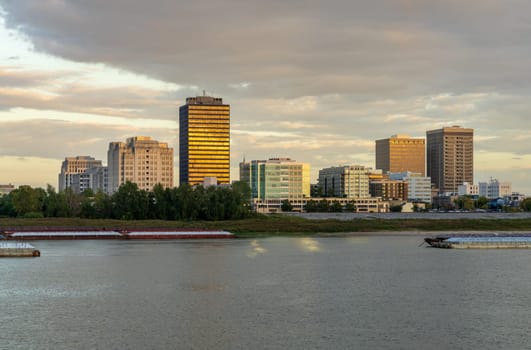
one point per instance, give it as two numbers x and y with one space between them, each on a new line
176 234
156 234
17 249
481 242
61 235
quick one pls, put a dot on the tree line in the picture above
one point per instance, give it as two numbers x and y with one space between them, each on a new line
131 203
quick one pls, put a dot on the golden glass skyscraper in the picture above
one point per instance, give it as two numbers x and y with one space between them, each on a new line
401 153
204 140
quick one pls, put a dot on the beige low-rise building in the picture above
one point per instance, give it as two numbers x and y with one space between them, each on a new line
361 205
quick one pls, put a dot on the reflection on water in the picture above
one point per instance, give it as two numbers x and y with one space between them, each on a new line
308 244
255 249
275 293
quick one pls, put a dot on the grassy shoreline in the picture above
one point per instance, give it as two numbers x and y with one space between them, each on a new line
266 226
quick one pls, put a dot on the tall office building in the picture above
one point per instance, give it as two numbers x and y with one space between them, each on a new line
450 157
74 173
204 140
141 160
401 153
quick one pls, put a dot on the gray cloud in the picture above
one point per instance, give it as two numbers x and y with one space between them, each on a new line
294 48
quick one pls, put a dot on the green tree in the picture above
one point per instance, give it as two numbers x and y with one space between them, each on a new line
336 207
28 200
286 205
6 206
311 206
88 209
482 202
465 203
526 204
103 206
129 202
396 208
72 202
323 206
159 205
242 194
350 206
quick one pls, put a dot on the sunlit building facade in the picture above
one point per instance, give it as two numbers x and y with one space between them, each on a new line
450 157
389 189
401 153
141 160
349 181
204 140
275 180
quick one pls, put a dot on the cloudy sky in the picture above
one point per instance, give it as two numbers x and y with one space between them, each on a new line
317 81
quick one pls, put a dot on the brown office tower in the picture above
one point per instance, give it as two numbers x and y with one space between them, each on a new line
204 140
450 157
401 153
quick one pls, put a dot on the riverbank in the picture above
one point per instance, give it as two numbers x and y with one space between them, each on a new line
282 225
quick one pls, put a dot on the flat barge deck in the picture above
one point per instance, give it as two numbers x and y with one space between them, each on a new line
56 234
17 249
481 242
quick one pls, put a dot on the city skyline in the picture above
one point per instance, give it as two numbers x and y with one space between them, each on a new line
320 97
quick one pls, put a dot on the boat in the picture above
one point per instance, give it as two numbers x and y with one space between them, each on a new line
494 241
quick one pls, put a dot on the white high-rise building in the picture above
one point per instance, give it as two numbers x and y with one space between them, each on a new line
141 160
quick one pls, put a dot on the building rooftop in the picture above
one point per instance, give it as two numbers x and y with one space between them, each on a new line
204 100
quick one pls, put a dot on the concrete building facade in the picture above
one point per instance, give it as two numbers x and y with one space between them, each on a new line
74 172
418 186
204 140
495 189
349 181
467 189
389 189
362 205
141 160
401 153
450 157
95 179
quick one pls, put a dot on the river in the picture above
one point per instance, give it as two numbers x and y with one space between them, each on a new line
274 293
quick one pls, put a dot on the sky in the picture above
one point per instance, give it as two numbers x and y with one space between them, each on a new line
315 81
